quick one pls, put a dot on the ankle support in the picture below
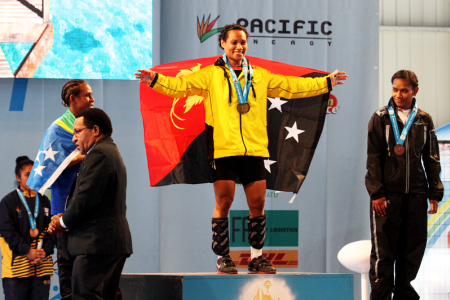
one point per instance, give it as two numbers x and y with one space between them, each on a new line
256 231
220 239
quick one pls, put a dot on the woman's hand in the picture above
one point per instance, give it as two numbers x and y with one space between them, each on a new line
36 256
337 76
434 204
379 206
145 76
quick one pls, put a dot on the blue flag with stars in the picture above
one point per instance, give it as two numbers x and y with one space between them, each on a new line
50 167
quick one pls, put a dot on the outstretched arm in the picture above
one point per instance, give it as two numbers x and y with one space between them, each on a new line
338 77
145 76
196 83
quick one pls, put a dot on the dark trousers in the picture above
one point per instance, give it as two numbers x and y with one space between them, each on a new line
65 265
97 276
29 288
398 238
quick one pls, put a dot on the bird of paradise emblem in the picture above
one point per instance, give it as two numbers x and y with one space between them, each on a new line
190 101
204 30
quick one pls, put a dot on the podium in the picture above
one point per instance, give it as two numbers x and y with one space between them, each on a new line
210 286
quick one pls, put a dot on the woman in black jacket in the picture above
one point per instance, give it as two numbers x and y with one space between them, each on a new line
26 249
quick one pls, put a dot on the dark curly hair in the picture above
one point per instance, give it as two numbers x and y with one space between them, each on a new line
96 116
408 75
72 87
223 35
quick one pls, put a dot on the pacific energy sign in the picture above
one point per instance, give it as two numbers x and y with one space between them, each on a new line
273 29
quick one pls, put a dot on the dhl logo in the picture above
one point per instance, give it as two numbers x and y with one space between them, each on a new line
279 258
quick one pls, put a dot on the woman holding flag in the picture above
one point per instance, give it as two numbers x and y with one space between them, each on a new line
235 98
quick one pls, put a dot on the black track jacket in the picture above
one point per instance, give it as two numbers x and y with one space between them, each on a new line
387 172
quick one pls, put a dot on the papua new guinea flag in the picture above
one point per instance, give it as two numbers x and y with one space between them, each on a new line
175 137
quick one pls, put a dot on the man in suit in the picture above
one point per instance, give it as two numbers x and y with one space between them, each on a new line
99 236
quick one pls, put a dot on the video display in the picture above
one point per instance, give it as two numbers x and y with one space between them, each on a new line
88 39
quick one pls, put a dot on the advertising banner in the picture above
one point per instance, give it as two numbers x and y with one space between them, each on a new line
281 228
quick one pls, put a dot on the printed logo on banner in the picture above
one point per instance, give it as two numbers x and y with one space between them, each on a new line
279 258
267 288
204 29
332 105
286 30
281 228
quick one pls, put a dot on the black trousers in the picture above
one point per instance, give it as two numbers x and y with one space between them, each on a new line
65 265
29 288
97 276
399 238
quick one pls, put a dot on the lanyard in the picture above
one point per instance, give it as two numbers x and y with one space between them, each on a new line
400 139
36 208
242 95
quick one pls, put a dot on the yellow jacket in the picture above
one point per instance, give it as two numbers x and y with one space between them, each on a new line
235 134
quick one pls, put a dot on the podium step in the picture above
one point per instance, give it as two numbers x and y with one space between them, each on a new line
210 286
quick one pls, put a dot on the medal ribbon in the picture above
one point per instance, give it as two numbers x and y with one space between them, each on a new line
400 139
242 95
36 208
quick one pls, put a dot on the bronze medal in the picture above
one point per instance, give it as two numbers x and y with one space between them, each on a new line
34 232
243 108
399 150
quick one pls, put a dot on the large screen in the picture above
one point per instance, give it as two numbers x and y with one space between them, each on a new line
88 39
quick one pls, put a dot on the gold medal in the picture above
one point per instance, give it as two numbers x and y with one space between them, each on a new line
243 108
399 150
34 232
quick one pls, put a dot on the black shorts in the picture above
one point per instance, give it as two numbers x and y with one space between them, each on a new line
243 169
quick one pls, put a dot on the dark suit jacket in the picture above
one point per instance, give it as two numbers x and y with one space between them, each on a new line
96 212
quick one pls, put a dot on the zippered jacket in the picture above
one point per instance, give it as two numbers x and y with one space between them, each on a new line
388 172
15 239
229 132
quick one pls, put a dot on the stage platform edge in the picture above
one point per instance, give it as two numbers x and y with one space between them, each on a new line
210 286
